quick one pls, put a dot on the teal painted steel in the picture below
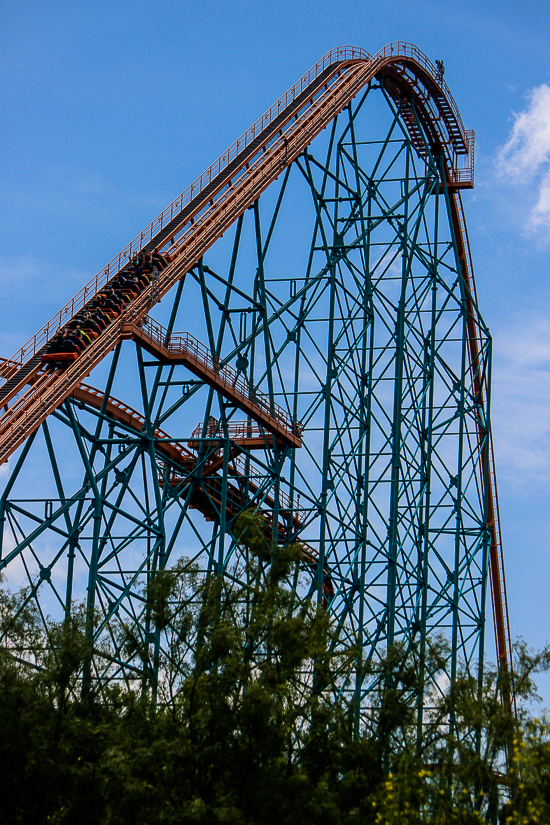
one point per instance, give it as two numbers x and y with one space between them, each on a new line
341 296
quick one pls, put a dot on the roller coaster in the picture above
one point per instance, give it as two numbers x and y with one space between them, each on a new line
332 373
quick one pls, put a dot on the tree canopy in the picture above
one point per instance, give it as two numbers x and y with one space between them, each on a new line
240 718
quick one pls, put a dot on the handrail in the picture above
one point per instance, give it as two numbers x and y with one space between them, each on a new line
237 430
343 54
401 48
183 343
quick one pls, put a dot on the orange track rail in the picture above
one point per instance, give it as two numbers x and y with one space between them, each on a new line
245 435
121 412
206 209
475 337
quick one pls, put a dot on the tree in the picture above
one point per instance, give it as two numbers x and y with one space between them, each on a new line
239 717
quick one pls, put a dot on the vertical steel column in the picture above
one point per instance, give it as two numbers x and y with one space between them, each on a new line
427 445
94 554
393 525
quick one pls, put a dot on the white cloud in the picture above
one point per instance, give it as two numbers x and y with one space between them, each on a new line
529 143
525 157
541 212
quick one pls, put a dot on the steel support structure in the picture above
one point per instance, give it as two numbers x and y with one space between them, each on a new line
340 296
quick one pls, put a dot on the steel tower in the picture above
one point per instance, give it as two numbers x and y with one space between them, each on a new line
318 355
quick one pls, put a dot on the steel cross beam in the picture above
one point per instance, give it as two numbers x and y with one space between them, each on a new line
256 168
344 297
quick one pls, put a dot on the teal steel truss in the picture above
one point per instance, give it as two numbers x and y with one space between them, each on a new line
323 362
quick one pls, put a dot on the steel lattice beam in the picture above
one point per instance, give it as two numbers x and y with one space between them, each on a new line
342 302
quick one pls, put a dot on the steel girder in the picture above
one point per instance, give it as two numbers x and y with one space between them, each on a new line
340 295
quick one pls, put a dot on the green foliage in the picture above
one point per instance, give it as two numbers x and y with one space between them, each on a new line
251 533
530 775
246 722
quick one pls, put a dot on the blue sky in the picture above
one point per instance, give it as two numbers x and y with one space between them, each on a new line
111 108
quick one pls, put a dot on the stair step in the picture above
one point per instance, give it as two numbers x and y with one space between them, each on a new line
20 375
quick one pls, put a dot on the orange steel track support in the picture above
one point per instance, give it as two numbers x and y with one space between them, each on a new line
179 455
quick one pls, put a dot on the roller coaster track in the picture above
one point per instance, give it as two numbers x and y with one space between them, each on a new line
496 566
201 214
210 205
123 414
182 461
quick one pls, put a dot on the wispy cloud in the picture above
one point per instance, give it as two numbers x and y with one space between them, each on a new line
67 191
525 157
541 212
32 290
